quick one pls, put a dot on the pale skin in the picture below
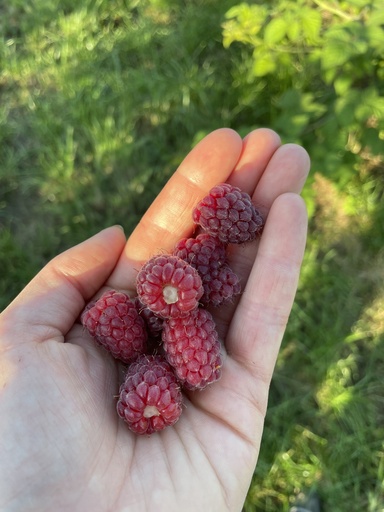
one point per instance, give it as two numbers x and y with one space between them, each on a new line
62 445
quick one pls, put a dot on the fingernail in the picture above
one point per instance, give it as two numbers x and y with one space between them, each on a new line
119 226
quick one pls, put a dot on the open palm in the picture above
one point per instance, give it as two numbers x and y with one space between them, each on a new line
62 445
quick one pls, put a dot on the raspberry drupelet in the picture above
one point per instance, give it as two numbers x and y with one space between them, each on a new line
150 397
169 286
115 324
228 213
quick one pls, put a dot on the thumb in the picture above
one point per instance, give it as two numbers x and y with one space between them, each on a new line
50 304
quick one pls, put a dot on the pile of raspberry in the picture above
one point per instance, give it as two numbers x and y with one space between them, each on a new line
166 335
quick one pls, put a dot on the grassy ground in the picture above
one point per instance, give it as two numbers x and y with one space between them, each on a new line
99 102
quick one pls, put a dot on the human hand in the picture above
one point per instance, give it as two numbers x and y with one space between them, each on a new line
62 445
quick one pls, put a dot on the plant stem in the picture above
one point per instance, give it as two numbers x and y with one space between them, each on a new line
334 10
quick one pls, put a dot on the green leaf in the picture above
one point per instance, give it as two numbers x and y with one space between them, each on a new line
375 36
289 100
370 105
342 43
264 63
237 11
331 129
342 84
275 31
298 109
377 17
292 125
311 24
244 23
293 30
310 105
234 32
249 17
358 37
345 107
337 50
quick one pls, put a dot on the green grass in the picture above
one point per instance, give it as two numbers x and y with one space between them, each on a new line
324 426
99 102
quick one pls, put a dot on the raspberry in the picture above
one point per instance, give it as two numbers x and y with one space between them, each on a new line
220 286
207 254
192 348
228 213
115 324
153 322
169 286
150 398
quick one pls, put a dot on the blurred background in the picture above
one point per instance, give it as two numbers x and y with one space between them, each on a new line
99 103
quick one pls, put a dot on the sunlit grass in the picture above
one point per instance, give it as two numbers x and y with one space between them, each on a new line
324 428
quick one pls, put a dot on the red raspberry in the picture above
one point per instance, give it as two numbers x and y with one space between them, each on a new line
220 286
207 254
116 325
228 213
150 398
192 347
169 286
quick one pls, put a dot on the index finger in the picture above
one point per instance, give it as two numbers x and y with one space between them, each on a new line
169 218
